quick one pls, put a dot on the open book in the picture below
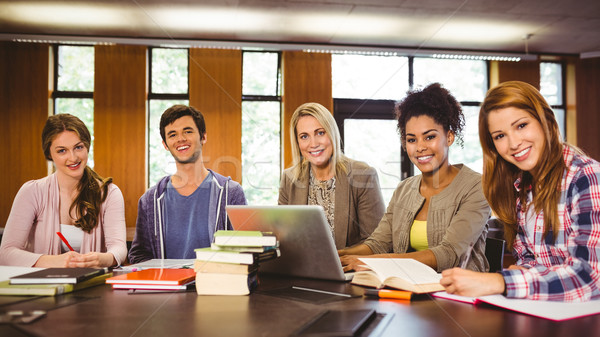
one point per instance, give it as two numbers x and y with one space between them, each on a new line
552 310
404 274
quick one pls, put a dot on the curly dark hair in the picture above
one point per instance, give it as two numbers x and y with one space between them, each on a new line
433 101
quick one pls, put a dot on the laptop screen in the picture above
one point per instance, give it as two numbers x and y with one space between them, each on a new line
307 248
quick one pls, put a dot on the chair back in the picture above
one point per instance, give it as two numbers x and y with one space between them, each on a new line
494 252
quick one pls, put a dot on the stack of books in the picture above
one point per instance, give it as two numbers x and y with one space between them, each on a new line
230 265
53 281
155 279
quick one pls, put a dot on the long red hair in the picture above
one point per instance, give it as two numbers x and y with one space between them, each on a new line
499 175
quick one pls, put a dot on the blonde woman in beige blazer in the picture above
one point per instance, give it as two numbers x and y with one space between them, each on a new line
347 189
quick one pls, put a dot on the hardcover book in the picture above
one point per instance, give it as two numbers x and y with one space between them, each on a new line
211 255
245 238
155 276
176 287
49 289
404 274
225 284
58 276
260 249
223 268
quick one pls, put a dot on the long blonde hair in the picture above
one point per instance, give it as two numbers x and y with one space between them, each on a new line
325 118
499 175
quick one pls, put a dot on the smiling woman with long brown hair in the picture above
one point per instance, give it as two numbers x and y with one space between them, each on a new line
74 201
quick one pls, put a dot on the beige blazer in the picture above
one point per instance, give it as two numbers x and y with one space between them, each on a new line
358 201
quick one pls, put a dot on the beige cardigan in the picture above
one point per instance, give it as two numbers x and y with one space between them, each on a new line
358 201
35 218
457 217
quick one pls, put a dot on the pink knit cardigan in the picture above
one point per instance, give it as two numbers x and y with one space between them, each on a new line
34 219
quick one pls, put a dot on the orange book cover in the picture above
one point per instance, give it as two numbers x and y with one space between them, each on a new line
155 276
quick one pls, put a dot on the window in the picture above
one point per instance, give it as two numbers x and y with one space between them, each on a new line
551 87
369 77
467 81
261 124
74 85
365 89
168 86
364 105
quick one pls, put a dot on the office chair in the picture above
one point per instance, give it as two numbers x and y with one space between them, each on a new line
494 252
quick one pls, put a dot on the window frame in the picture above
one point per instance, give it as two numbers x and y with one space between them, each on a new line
56 93
563 93
160 97
269 98
167 96
379 109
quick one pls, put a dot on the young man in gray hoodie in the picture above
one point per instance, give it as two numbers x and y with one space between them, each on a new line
182 211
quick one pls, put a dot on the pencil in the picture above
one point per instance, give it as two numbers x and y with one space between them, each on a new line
62 237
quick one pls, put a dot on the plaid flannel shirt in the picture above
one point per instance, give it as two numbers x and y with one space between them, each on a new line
568 269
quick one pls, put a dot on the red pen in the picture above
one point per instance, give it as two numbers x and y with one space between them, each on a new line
385 293
65 241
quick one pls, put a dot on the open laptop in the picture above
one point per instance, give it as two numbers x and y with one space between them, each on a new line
305 241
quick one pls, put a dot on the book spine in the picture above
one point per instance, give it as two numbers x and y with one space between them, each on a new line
243 258
246 241
268 255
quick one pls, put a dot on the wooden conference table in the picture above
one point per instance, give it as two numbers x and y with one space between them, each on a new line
100 311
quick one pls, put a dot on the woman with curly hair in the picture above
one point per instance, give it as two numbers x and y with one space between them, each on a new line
437 216
75 201
547 194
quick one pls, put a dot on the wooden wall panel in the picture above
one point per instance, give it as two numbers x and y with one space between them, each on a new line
306 78
526 71
120 121
216 91
588 106
571 100
24 92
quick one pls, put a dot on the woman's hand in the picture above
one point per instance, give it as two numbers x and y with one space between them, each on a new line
91 260
470 283
76 260
55 261
351 262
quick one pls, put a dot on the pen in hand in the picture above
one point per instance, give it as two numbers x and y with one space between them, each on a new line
466 257
64 240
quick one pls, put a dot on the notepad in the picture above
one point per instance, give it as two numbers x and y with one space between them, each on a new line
552 310
155 276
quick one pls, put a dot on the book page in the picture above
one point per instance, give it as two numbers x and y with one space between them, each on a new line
410 270
6 272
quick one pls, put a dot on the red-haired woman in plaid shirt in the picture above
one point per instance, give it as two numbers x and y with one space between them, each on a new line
546 192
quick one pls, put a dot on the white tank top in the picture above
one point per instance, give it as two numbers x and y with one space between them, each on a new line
74 236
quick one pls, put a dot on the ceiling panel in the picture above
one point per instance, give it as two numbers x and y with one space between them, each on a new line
563 27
